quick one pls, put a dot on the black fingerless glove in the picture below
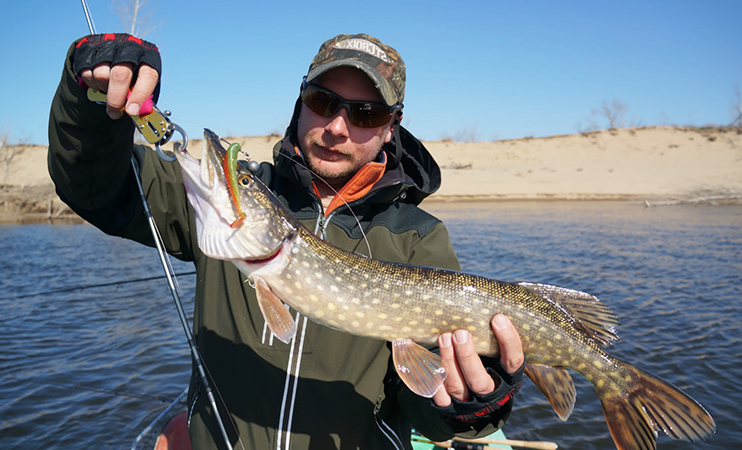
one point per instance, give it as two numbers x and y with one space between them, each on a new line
115 48
482 406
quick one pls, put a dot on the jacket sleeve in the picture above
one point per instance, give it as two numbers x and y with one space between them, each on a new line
90 163
436 250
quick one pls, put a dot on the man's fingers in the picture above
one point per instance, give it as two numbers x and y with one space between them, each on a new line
465 371
442 397
87 77
118 89
147 79
98 77
472 370
511 347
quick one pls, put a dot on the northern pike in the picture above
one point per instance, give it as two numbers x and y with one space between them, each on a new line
240 220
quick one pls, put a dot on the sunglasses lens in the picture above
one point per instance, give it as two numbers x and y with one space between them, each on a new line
361 114
366 115
321 103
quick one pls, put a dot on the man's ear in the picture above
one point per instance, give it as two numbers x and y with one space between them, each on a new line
395 123
389 133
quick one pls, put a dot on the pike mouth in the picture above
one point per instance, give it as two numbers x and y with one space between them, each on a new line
209 169
202 176
206 187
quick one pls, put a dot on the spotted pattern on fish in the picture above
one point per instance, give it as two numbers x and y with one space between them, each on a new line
560 328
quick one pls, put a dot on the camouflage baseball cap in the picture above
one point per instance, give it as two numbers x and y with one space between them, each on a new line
380 62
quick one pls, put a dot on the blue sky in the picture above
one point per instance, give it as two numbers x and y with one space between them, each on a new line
495 70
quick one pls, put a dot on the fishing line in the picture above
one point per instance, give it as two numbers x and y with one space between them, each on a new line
202 125
342 199
93 286
84 387
318 177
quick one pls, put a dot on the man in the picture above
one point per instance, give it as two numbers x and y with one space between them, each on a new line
325 389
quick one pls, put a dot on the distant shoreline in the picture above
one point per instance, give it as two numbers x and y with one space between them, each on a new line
654 165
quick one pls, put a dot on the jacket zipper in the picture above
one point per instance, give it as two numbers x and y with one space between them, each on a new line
319 229
322 223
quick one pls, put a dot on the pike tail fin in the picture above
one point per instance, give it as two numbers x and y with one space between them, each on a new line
640 404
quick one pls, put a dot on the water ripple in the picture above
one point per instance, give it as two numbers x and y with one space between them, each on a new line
69 360
673 275
79 368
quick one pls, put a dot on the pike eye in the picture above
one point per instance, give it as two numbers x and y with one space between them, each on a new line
244 181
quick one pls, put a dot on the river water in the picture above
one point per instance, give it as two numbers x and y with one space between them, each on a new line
88 367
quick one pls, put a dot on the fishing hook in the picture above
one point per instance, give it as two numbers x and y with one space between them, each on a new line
182 146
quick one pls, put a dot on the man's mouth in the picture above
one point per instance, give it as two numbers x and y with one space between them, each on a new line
329 153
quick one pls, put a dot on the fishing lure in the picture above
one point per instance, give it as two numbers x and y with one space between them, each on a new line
230 172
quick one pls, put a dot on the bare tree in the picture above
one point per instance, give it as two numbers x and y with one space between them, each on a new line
8 152
614 112
136 21
737 107
592 125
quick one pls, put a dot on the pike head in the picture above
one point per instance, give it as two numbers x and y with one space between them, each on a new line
241 222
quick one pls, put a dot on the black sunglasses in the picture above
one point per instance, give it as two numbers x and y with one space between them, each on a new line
361 114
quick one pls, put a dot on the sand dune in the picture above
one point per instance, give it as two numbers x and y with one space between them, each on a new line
628 163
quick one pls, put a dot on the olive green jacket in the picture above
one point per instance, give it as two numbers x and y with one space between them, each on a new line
325 389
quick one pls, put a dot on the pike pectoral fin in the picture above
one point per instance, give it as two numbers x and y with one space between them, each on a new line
557 386
276 315
420 369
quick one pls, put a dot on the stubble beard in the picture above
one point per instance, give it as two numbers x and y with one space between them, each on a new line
335 178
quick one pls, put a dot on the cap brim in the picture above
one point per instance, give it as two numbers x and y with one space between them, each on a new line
386 90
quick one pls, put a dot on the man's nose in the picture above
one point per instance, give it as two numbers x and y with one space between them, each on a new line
338 125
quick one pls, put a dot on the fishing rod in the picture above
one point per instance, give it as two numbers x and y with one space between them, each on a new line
482 443
160 132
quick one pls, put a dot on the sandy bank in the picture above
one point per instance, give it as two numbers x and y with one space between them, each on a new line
653 163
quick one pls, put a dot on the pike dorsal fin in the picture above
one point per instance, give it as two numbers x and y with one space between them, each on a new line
557 386
420 369
275 313
592 317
